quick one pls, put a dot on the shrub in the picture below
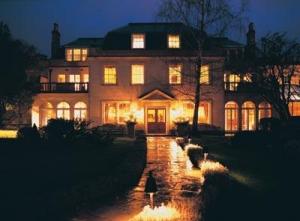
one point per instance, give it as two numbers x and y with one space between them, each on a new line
252 139
269 124
58 129
29 134
195 154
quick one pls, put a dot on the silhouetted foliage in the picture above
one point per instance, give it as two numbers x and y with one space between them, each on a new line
29 134
15 91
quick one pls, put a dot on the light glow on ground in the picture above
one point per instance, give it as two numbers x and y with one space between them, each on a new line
162 213
8 134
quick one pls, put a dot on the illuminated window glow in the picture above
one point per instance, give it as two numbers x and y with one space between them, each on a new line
63 110
110 75
137 74
264 110
138 41
174 41
61 78
76 54
116 112
75 78
231 116
80 111
295 80
204 112
205 74
294 108
175 74
248 116
232 82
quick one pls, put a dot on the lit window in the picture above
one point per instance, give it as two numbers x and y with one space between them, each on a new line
137 74
204 112
138 41
61 78
110 75
294 108
80 111
84 54
75 78
204 76
47 112
175 74
69 54
174 41
248 116
63 111
116 113
110 111
123 112
231 116
232 82
76 54
295 80
264 110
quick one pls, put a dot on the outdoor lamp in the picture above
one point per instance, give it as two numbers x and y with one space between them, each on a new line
151 187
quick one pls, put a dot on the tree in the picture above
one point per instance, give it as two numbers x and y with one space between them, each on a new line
16 92
201 17
273 69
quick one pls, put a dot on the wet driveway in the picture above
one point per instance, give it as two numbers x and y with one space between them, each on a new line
178 185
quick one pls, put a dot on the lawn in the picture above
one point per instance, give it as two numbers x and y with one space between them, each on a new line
265 185
57 182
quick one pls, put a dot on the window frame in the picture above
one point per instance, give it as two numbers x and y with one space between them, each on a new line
179 41
209 75
132 41
180 73
72 54
116 81
143 74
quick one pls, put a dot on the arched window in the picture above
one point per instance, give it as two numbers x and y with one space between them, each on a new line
264 110
80 111
47 113
231 116
63 110
248 116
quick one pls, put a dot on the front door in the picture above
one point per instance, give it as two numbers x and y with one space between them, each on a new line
156 120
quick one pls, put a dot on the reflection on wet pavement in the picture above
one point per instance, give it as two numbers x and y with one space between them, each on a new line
178 184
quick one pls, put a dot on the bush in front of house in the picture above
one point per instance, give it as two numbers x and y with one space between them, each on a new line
75 132
253 139
29 134
195 154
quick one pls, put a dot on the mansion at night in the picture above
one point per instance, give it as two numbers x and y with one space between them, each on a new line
138 71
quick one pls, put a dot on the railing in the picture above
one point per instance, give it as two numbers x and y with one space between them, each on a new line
64 87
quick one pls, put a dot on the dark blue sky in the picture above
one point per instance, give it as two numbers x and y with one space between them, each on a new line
32 20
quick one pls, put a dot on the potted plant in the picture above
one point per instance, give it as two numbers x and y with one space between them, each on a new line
182 126
130 123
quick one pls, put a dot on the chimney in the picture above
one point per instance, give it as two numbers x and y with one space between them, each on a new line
251 41
55 42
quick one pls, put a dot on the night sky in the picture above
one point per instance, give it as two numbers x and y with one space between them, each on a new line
32 20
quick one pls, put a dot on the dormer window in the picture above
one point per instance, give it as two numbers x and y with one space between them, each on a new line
173 41
138 41
76 54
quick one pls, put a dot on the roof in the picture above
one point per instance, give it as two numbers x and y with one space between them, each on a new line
156 38
86 42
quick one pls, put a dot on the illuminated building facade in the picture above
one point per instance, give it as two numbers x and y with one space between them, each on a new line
141 72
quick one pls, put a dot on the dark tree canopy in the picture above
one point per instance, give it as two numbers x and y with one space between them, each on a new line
15 58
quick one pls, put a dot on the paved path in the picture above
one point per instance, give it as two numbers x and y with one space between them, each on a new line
178 184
